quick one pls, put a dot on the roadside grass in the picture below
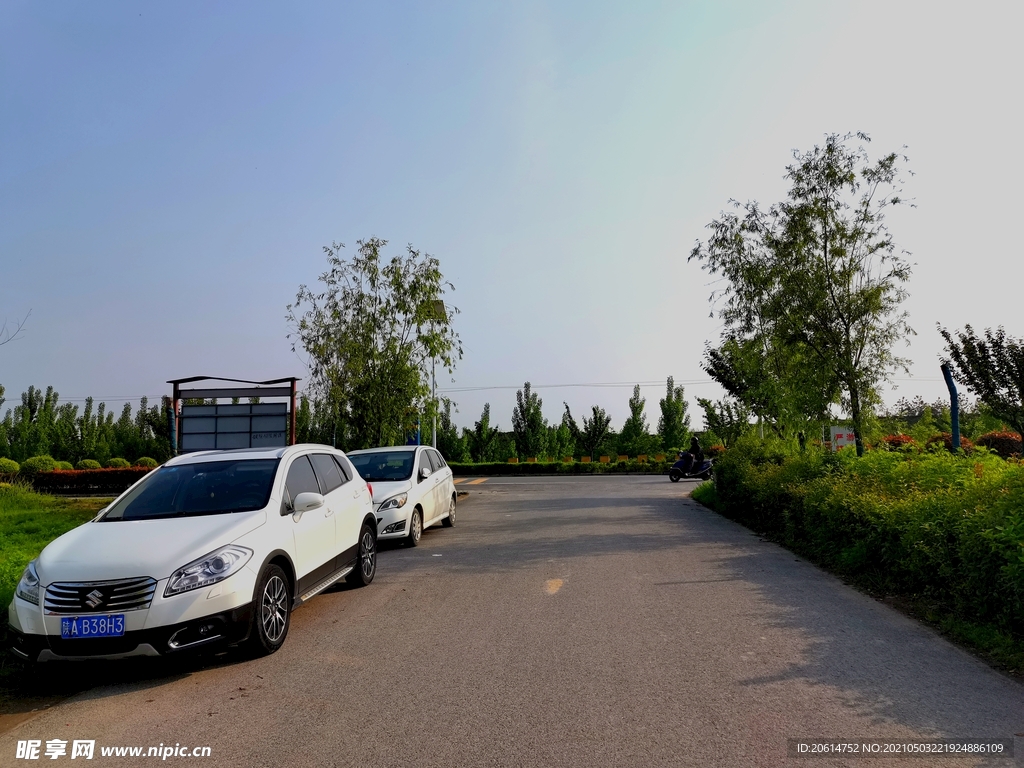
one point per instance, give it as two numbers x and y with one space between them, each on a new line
1001 648
28 522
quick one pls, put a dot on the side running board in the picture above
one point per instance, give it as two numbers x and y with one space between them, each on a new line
323 585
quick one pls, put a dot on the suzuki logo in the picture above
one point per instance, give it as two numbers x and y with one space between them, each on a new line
94 599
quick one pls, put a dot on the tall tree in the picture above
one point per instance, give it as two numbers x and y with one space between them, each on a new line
528 423
370 335
449 442
674 422
819 273
992 366
482 438
634 439
727 419
595 430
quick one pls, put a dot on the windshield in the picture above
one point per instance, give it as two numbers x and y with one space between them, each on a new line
208 488
383 466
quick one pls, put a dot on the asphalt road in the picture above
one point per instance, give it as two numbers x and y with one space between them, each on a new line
597 621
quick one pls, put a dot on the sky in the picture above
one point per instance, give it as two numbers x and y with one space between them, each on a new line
170 174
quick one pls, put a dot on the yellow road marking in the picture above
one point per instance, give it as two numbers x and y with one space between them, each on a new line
477 482
458 480
552 586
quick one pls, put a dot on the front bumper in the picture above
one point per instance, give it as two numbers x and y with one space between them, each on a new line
224 628
168 625
392 524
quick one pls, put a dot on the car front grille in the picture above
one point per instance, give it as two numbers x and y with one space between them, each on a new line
79 597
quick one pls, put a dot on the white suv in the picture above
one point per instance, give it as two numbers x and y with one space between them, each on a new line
412 489
212 547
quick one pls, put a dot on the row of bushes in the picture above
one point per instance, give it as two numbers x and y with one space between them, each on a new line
560 468
1002 443
37 464
938 526
88 481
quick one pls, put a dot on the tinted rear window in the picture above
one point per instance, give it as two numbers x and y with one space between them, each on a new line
209 488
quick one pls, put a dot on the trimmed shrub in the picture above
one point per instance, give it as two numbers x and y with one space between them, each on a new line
1005 444
582 467
936 525
9 467
74 481
901 443
88 464
118 463
32 467
946 439
64 465
145 461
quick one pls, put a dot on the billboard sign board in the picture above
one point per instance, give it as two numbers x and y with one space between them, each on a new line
842 437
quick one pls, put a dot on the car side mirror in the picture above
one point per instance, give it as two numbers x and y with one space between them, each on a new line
424 473
304 502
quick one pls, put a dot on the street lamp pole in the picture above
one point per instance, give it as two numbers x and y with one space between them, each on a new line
439 313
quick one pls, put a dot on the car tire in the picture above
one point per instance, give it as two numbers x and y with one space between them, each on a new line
271 612
366 558
675 475
449 522
412 539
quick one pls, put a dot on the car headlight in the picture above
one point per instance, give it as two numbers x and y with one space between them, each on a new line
28 587
395 502
207 570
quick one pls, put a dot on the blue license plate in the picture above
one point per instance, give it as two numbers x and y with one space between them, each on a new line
75 627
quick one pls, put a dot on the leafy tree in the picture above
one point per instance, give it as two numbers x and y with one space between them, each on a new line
449 442
370 336
635 438
560 441
481 439
528 423
992 366
674 422
817 277
595 430
729 420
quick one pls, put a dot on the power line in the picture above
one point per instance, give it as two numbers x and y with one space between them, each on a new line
599 384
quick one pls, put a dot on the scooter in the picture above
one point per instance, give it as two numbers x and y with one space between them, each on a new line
684 469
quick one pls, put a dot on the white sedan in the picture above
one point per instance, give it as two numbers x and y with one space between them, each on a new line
212 547
412 489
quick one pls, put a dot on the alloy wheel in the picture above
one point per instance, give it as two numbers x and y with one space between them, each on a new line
274 609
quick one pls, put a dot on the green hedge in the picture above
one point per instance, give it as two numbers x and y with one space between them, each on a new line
91 481
560 468
947 528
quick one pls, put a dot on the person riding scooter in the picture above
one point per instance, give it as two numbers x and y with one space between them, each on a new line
695 455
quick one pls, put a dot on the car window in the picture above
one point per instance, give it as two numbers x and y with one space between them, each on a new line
383 466
200 488
327 472
300 480
345 467
423 462
436 462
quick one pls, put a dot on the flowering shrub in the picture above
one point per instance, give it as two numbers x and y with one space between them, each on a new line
947 440
714 451
898 443
1005 443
